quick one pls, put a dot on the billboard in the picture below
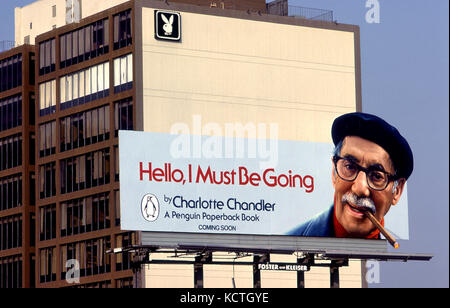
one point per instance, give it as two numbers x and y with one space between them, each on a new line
228 185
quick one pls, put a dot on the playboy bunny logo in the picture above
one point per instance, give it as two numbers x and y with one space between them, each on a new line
167 27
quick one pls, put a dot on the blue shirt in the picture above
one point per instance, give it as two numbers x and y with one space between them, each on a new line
321 225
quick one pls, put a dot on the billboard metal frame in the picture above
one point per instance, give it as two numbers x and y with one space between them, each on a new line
313 252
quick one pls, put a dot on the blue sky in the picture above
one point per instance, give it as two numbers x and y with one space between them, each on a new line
405 77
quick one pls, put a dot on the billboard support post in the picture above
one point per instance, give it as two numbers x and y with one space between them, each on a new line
200 259
258 259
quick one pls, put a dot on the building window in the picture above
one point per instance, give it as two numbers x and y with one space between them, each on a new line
48 263
47 57
32 188
123 73
47 139
32 152
84 128
47 182
123 115
11 192
11 73
85 171
85 215
90 254
117 207
84 86
10 232
11 272
47 222
122 30
47 98
10 112
123 260
10 152
53 10
85 43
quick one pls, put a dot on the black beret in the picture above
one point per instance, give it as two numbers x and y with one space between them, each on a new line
375 129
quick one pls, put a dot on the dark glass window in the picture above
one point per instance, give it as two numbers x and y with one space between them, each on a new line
47 139
85 215
47 58
85 43
10 112
47 222
47 182
11 272
84 128
11 72
10 232
123 115
10 152
90 254
85 171
11 192
122 30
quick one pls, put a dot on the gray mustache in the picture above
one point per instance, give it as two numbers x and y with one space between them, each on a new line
365 203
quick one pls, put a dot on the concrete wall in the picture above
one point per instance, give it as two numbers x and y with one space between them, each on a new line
230 69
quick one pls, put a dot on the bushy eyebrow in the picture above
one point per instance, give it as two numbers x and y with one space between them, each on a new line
351 158
375 166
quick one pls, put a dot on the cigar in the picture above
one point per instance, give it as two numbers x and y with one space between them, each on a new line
386 234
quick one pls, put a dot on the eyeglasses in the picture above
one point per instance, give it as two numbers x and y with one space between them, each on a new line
348 170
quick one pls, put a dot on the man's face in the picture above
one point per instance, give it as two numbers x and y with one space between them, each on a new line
366 154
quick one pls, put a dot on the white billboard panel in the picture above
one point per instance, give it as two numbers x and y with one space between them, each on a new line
225 185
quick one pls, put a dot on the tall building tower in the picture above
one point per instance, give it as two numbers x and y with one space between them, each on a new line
17 167
100 68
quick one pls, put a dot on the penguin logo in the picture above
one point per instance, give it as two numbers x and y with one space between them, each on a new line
150 207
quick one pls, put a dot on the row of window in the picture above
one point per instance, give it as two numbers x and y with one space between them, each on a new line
83 44
10 192
10 152
10 232
85 128
90 254
85 171
87 85
86 43
85 215
11 72
10 112
78 173
11 272
84 86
